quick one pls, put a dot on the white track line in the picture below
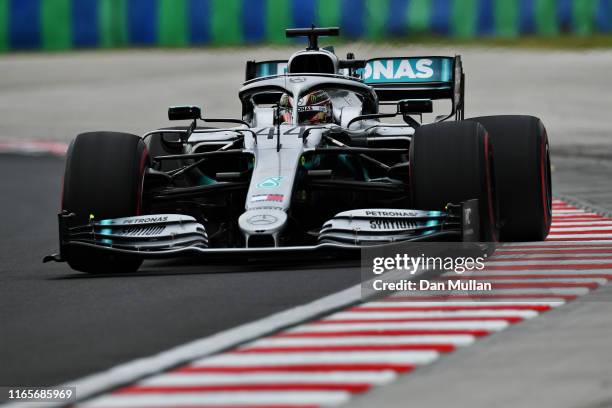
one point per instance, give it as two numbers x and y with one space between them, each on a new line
557 250
594 223
332 357
534 274
467 304
500 292
491 325
33 147
555 256
453 313
568 211
522 269
476 299
569 243
551 263
567 246
570 236
605 227
456 340
333 377
542 279
134 370
243 399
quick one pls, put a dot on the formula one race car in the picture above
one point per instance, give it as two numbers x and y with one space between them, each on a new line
309 167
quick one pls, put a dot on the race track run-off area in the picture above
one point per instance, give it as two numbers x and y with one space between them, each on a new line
328 361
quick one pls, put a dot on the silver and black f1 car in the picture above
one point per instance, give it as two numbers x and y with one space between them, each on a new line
309 167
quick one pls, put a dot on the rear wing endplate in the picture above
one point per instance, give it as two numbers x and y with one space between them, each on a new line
265 68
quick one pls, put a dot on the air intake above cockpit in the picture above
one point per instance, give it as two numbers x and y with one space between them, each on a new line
313 59
319 62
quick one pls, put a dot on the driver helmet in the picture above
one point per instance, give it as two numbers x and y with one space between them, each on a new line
313 108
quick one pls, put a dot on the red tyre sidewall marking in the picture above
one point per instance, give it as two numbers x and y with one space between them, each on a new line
543 181
143 160
489 192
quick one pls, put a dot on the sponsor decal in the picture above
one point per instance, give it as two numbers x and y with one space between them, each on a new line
269 68
145 220
408 70
392 224
372 213
470 222
142 231
262 219
311 108
270 182
267 197
467 215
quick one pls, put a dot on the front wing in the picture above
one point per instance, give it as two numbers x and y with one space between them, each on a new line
174 235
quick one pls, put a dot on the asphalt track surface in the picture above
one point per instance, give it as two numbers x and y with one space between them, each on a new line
58 325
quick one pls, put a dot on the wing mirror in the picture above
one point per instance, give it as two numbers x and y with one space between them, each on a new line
414 106
192 113
184 113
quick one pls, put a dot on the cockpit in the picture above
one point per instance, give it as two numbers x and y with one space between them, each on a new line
313 87
311 99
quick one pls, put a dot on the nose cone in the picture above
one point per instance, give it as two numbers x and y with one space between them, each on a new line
262 221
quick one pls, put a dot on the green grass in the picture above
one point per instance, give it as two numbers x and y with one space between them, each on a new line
568 42
559 42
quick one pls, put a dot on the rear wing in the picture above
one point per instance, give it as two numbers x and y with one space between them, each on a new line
398 78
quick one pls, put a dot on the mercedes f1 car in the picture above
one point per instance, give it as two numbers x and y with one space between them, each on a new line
309 167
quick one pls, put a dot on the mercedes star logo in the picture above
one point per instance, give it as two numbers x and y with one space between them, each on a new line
262 219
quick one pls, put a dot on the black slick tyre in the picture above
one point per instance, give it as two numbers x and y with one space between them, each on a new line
104 179
522 166
451 162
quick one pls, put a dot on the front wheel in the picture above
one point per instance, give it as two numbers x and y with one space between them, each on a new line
103 179
451 162
522 165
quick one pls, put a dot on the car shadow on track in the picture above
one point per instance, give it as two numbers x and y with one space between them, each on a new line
195 267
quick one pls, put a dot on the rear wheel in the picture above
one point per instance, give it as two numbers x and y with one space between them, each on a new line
452 162
522 165
103 178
